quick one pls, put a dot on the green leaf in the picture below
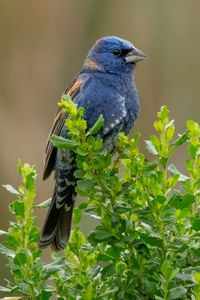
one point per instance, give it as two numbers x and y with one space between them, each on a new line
150 147
108 270
192 126
168 271
175 198
192 150
5 289
79 174
97 126
170 124
196 277
184 276
121 209
180 202
158 298
114 252
21 258
17 207
12 241
68 105
103 161
77 215
11 189
80 279
62 143
95 217
163 113
155 140
45 295
53 267
80 112
196 224
34 235
161 199
177 292
164 161
120 266
85 186
173 171
170 129
6 251
109 292
180 140
102 235
83 205
44 204
77 239
150 240
158 126
187 201
2 232
30 179
196 251
151 166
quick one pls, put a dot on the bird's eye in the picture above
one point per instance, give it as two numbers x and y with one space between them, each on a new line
116 52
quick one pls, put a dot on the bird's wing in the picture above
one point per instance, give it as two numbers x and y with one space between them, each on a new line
50 152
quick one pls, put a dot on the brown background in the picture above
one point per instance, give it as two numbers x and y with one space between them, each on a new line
42 46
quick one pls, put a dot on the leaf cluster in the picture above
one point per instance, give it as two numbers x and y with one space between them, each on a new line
146 244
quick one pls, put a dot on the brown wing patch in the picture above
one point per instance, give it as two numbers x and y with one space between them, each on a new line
74 87
50 152
91 64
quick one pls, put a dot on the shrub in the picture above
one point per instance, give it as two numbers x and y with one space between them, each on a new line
146 244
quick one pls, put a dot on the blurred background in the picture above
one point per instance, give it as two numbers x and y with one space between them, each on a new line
43 45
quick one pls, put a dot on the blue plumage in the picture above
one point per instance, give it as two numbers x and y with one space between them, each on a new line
104 86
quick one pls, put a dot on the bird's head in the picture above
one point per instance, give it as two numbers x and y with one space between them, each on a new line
112 54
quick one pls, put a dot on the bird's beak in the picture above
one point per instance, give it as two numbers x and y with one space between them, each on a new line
134 56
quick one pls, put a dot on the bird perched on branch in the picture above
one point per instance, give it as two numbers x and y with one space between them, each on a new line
105 85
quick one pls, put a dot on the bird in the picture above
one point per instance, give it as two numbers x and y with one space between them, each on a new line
104 86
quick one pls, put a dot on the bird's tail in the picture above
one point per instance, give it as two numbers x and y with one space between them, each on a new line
57 226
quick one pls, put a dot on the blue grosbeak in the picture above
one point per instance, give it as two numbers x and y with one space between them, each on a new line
105 85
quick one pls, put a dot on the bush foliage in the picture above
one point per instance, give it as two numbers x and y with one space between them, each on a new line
147 242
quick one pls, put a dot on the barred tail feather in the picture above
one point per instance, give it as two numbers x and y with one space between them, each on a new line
63 229
57 227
